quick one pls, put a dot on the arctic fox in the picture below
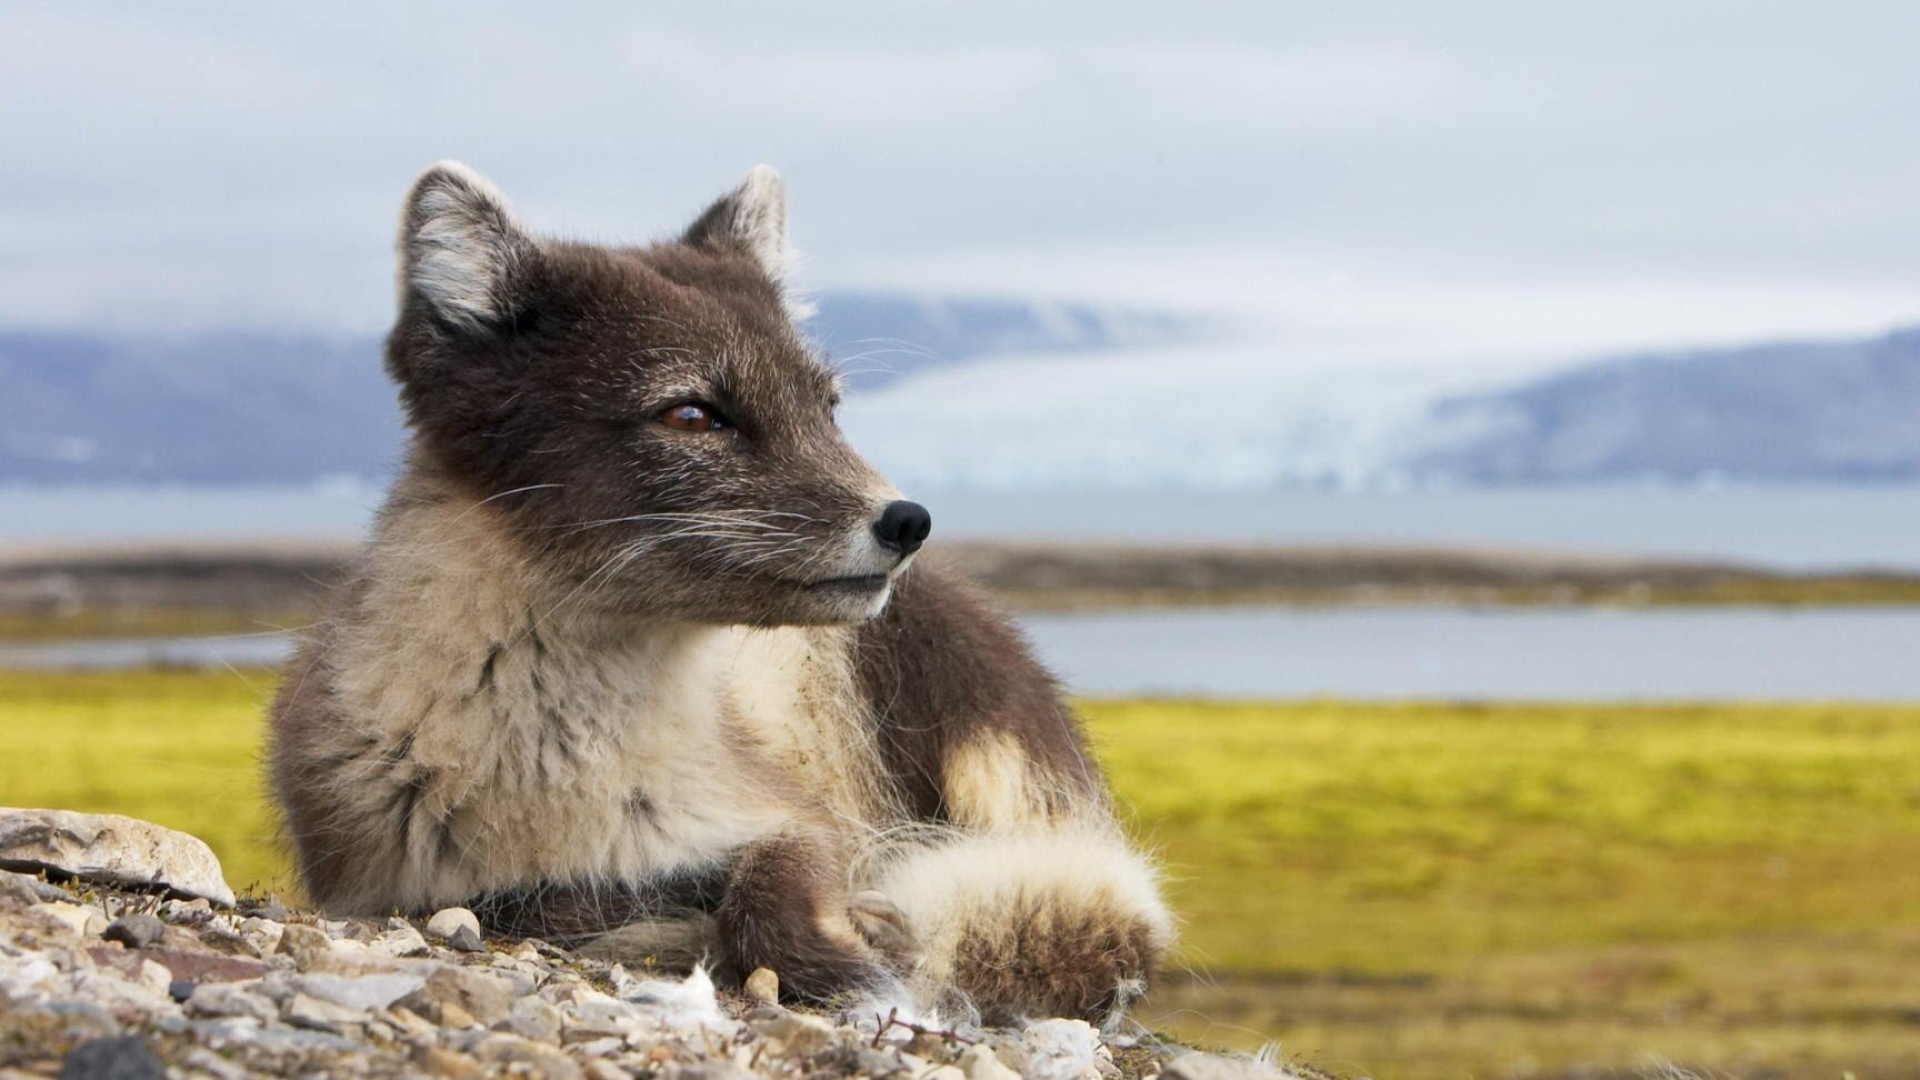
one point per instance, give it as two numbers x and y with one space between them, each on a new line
635 660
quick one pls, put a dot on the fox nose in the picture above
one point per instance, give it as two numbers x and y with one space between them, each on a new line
903 526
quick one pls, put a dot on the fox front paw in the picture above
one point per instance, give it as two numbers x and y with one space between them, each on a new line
816 954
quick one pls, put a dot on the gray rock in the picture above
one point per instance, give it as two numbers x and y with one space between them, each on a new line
537 1059
111 850
307 945
306 1011
485 997
136 931
226 1030
534 1019
230 1000
123 1058
361 992
468 940
29 889
82 1019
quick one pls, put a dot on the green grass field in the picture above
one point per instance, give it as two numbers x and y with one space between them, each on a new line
1399 891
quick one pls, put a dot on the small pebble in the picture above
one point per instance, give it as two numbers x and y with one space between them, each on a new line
763 986
467 939
180 989
135 931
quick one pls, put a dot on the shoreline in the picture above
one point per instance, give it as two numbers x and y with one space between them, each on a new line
184 588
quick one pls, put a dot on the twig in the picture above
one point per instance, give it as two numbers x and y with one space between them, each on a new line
893 1021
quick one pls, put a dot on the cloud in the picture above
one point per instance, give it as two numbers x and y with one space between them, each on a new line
242 162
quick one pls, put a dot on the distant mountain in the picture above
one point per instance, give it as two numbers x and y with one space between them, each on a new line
1050 396
207 407
252 407
1790 411
1236 415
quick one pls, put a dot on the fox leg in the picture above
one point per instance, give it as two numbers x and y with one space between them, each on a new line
788 908
1035 905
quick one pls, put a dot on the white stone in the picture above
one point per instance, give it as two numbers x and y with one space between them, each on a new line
362 992
447 921
111 850
262 934
402 940
1055 1050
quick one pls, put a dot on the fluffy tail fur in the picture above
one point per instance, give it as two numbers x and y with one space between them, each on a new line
1062 923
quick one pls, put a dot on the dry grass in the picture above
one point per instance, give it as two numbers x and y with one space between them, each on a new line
1416 891
1513 890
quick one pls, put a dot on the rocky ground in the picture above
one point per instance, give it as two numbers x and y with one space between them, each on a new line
124 957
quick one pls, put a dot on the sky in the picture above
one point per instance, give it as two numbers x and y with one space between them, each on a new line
1384 181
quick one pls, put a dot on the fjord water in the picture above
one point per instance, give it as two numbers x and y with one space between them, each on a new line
1561 654
1572 653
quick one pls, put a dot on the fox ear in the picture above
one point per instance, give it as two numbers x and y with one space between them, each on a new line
751 218
462 252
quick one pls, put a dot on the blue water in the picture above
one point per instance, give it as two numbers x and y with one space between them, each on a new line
1558 654
1798 527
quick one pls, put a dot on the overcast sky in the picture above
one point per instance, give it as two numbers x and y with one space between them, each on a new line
1539 175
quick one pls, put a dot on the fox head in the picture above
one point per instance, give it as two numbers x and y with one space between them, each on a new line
647 420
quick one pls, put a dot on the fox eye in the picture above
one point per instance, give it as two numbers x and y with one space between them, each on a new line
693 416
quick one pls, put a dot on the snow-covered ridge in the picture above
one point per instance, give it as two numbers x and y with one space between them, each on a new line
1245 415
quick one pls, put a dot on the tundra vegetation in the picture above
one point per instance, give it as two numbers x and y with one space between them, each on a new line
1399 890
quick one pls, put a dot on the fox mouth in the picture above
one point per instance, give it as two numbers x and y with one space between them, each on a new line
855 583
